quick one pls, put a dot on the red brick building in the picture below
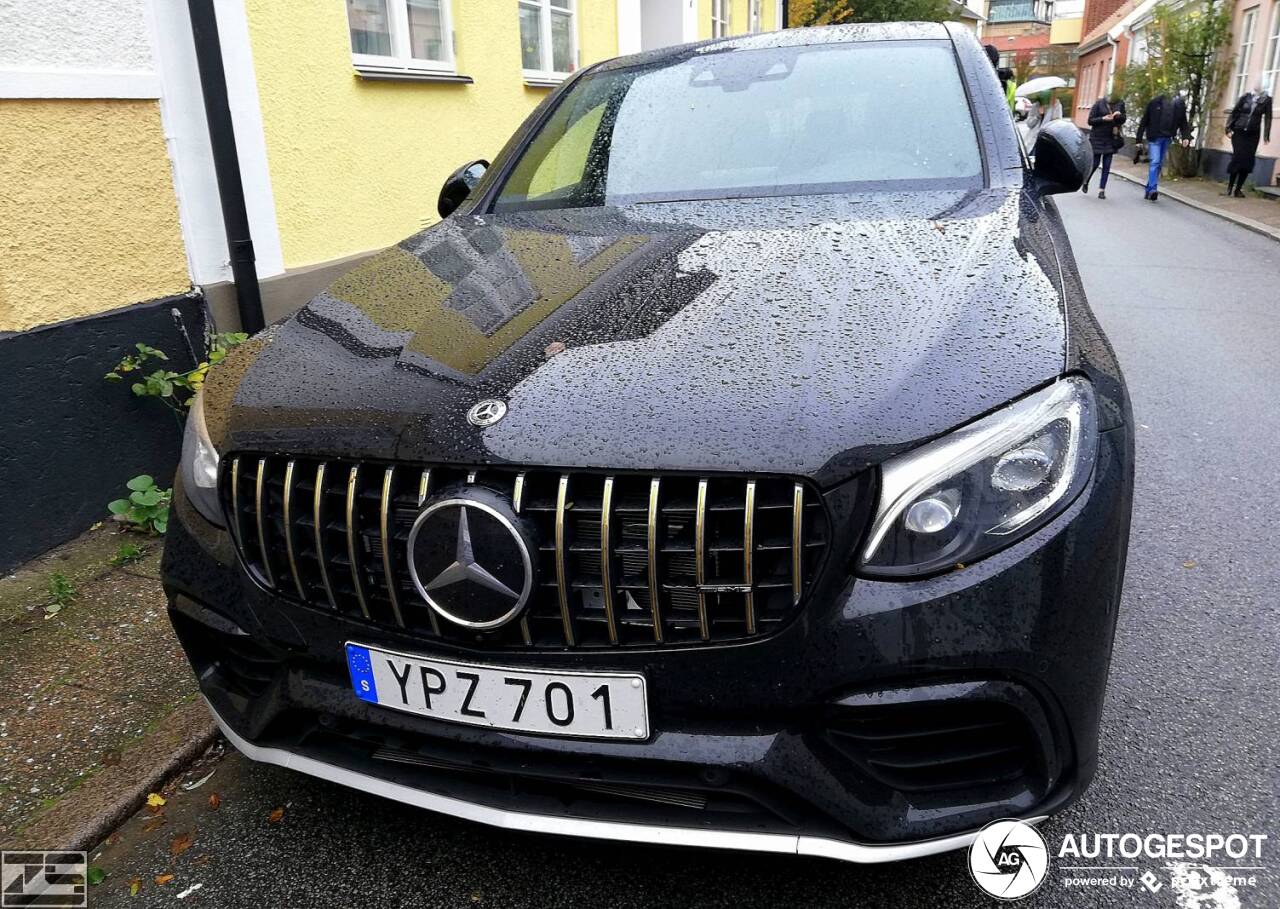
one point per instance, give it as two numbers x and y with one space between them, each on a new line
1018 28
1103 49
1095 11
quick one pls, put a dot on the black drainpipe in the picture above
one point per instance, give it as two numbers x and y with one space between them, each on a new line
226 163
786 14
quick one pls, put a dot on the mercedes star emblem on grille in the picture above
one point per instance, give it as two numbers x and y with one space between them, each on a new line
470 560
487 412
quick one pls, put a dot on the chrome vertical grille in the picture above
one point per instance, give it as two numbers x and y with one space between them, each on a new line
624 560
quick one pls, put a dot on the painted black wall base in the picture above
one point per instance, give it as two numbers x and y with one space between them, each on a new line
70 440
1215 162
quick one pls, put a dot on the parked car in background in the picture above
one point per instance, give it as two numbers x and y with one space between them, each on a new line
737 464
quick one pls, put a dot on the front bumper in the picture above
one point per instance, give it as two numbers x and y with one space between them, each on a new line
602 830
773 745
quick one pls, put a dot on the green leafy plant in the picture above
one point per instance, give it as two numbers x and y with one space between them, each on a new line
173 389
61 591
831 12
128 552
147 507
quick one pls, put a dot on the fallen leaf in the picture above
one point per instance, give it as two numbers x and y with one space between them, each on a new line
134 886
95 876
198 783
214 800
201 859
180 844
276 816
163 879
154 824
111 758
553 348
155 800
1188 564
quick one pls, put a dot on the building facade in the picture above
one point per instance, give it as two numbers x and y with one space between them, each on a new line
347 114
1067 25
1104 49
1119 39
1255 53
1019 31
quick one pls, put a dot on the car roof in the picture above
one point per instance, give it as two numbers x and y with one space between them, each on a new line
789 37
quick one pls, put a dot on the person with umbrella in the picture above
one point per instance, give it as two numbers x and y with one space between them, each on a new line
1045 109
1105 119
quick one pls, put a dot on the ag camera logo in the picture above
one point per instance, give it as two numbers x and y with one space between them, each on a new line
1009 859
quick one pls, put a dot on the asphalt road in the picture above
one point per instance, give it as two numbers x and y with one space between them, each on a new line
1191 730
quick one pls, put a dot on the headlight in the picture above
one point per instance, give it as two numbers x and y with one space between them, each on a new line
984 486
200 463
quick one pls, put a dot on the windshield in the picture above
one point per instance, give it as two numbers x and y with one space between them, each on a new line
777 121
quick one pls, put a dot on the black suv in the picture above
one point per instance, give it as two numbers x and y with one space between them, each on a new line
737 464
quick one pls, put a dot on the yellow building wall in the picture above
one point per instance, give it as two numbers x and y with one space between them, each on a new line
357 165
88 218
738 20
1065 31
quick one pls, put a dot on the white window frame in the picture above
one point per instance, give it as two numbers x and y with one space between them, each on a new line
547 74
721 18
1138 47
755 16
1249 25
1271 61
1086 87
399 60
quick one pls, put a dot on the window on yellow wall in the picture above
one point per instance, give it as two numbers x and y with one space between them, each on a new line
390 36
720 12
754 16
548 39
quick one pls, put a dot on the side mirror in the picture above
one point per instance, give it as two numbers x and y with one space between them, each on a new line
1063 158
459 185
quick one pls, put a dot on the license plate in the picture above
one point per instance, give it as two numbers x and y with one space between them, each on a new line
587 705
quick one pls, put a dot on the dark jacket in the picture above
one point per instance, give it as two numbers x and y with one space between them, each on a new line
1104 135
1251 114
1164 118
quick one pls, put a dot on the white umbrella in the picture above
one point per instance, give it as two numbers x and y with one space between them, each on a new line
1039 84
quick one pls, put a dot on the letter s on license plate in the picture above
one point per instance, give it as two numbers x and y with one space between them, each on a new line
586 705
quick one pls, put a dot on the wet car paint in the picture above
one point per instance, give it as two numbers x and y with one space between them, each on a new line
811 335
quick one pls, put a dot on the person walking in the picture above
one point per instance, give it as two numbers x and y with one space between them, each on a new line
1248 122
1045 108
1003 73
1105 119
1162 120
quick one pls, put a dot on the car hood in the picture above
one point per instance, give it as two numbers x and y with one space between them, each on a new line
802 335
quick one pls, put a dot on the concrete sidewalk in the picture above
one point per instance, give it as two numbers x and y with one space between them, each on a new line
1255 212
97 702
